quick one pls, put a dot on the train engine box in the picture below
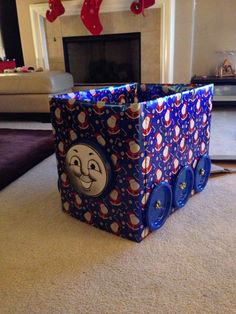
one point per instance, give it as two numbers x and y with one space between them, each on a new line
130 155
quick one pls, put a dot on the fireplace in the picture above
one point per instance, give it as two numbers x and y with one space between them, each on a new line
162 28
104 59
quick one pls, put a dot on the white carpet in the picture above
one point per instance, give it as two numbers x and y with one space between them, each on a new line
52 263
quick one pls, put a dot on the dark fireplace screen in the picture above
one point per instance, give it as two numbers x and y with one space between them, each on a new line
103 59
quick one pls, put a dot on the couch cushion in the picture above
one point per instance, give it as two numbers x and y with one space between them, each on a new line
46 82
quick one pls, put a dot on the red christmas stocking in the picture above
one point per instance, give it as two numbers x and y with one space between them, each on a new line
90 16
56 9
138 6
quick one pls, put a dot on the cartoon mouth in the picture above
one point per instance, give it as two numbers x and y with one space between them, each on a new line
86 182
86 185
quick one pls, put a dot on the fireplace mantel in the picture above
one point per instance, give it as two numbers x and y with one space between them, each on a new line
37 15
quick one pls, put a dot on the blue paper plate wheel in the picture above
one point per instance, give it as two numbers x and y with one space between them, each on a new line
183 187
159 206
202 173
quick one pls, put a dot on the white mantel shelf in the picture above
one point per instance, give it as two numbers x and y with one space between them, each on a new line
37 15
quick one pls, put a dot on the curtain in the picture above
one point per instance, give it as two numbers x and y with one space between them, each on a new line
10 31
2 51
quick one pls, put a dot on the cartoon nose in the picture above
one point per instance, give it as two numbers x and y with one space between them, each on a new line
84 171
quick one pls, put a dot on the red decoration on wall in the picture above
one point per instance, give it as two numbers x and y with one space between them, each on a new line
90 16
56 9
138 6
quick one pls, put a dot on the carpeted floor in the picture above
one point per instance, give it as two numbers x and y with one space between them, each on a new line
52 263
20 150
223 134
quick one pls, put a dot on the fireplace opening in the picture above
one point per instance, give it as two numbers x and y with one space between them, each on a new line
103 59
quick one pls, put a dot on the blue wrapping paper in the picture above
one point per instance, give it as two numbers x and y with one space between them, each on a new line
115 145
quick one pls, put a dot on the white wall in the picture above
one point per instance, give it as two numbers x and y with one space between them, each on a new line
206 29
184 23
215 30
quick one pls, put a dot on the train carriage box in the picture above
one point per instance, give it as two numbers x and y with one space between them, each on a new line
130 155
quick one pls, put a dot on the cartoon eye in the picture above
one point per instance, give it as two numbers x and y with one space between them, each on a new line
75 161
93 165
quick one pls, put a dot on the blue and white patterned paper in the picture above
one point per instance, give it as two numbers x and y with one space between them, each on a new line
148 131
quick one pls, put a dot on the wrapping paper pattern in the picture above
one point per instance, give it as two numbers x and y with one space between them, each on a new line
148 133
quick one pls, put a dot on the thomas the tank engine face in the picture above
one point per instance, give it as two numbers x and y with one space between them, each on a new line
87 169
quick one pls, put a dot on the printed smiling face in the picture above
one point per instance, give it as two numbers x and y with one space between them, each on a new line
87 169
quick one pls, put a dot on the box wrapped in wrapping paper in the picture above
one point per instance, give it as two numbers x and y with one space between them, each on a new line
130 155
